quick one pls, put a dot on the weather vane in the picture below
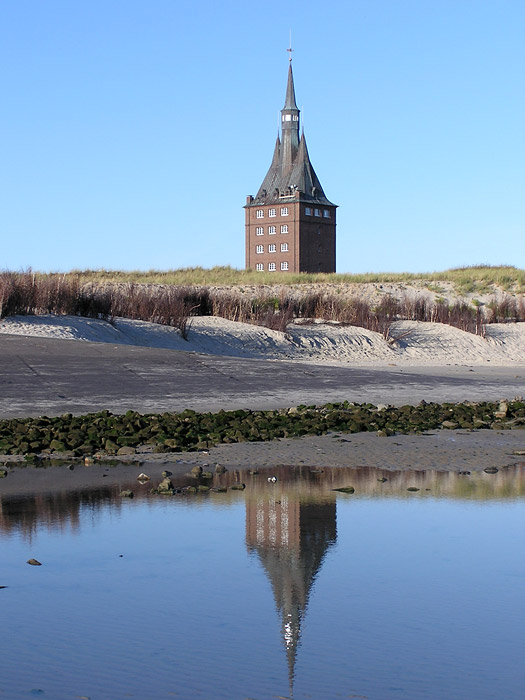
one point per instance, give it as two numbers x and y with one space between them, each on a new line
290 49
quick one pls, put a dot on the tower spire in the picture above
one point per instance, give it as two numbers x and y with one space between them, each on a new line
290 102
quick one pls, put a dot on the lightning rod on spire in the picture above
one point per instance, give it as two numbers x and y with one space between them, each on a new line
290 48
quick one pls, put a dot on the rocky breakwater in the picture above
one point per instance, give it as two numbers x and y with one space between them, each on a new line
102 434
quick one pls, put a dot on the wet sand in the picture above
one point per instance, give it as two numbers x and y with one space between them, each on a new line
45 376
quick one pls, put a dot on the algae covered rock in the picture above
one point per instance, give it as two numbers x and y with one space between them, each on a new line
166 486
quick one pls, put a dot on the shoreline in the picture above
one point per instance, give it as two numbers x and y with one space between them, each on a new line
444 451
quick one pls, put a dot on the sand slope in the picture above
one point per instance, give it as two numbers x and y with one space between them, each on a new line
418 343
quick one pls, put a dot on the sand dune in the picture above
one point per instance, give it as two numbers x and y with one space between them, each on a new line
417 344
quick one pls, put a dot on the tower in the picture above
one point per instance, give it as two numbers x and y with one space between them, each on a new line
290 224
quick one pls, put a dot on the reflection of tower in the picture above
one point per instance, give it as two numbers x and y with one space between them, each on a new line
291 538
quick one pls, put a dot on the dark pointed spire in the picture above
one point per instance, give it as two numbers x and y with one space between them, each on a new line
290 91
290 172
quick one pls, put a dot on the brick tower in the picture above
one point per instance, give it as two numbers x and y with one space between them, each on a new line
290 224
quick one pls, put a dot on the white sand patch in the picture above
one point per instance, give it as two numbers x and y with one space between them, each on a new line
418 343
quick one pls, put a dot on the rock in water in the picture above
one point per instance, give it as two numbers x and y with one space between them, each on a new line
165 486
127 493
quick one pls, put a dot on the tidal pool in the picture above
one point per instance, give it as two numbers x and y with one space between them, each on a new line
285 589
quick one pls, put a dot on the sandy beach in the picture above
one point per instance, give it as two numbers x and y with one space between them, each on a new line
51 365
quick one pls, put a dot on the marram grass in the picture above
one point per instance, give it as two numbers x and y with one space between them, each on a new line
476 278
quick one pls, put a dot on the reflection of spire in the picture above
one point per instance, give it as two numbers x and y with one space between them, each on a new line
291 539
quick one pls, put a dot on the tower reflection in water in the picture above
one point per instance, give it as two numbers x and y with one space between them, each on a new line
291 533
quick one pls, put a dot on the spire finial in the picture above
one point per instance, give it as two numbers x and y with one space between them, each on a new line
290 47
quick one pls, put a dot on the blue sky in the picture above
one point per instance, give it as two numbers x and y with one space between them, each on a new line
132 131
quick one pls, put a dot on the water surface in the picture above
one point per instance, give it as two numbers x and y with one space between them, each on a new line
283 588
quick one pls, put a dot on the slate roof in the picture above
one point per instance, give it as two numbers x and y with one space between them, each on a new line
291 169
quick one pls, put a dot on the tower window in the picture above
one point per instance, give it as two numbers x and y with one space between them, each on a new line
272 248
317 212
271 267
284 211
284 247
326 213
259 249
308 211
259 213
284 228
272 229
259 267
271 212
259 231
284 266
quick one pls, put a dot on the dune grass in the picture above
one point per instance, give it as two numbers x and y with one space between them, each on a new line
477 278
26 293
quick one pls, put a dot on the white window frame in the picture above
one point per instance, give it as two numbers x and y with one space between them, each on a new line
259 214
284 247
272 267
259 249
272 248
284 211
259 267
259 231
272 212
284 228
272 230
284 265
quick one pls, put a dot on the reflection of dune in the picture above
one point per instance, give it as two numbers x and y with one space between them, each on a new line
25 511
509 482
52 510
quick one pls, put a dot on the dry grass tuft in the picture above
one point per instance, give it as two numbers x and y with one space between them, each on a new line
173 305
